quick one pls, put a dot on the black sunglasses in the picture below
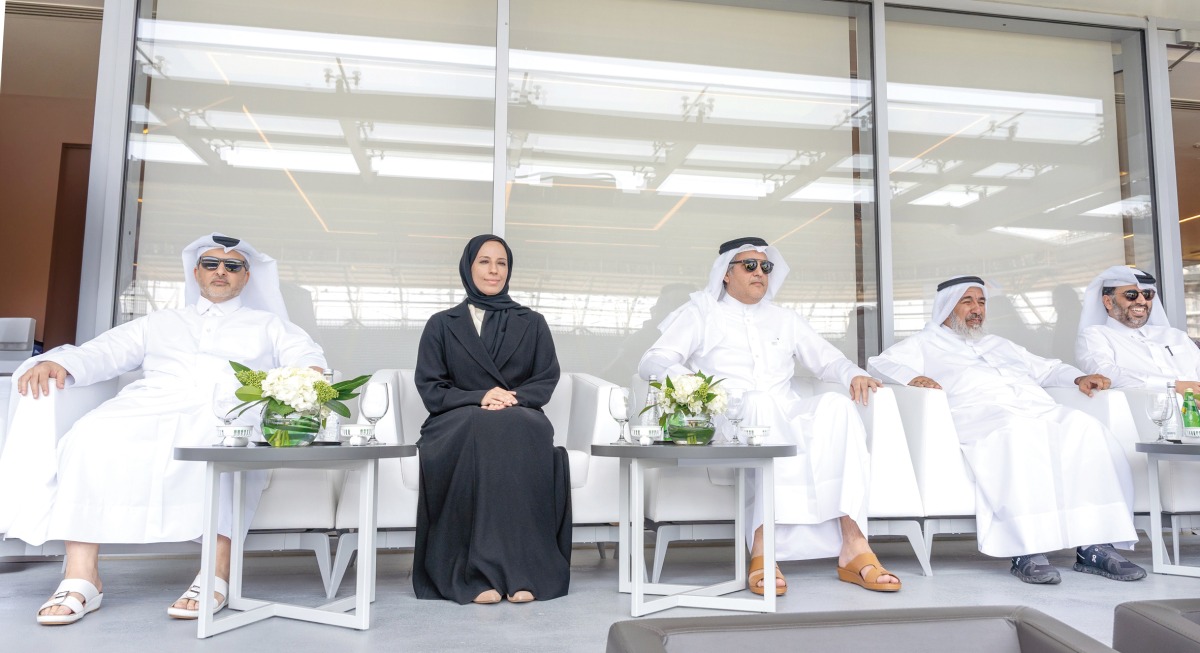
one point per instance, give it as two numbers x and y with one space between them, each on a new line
1132 295
751 264
232 265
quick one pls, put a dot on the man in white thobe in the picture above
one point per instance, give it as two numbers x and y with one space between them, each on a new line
1047 477
1124 335
112 477
733 331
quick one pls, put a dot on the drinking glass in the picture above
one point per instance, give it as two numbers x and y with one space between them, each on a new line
223 403
618 407
733 413
373 405
1158 409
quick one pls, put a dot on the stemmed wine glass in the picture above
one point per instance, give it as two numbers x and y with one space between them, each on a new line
618 407
1158 409
733 413
223 403
373 404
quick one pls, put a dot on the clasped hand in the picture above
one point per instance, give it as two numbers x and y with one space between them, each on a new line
498 398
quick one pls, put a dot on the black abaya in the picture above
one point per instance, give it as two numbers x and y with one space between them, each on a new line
494 509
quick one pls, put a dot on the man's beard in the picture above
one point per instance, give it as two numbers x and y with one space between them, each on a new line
961 328
1121 314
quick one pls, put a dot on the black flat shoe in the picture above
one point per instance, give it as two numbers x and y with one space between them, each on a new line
1035 569
1103 560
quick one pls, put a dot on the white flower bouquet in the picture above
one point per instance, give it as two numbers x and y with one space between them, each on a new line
689 396
294 400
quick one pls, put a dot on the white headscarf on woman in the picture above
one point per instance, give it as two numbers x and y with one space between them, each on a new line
1116 276
706 299
261 291
948 294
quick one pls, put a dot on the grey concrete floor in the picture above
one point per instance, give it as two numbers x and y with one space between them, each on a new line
138 590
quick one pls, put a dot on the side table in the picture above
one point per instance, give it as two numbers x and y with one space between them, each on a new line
236 460
635 460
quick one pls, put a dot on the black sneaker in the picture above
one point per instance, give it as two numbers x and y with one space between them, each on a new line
1103 560
1035 569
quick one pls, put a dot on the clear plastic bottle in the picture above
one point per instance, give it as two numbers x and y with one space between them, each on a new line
1173 429
651 411
1191 416
330 432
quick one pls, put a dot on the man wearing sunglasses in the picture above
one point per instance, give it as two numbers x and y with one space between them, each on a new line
1124 335
732 330
1047 477
111 478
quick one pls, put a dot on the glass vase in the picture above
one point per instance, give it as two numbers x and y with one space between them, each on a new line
294 430
690 430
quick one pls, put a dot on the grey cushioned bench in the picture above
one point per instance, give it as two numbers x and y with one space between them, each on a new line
994 629
1158 626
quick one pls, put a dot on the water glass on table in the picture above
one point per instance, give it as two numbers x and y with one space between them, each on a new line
373 405
618 408
1159 408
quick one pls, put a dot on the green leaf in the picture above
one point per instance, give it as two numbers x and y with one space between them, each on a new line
670 386
345 386
338 407
238 367
248 405
248 393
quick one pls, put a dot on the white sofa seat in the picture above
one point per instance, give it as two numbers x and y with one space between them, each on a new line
691 504
578 410
298 501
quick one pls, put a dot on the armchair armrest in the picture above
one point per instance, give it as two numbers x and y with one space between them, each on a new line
945 485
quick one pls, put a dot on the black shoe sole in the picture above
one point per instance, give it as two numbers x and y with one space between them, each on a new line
1088 569
1051 580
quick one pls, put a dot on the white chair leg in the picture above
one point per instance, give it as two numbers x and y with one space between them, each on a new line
600 548
1175 537
916 539
663 536
346 548
318 543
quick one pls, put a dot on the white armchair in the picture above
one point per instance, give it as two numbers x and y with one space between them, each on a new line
296 511
688 504
578 411
16 342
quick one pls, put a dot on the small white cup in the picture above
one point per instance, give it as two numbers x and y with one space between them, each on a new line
234 435
356 435
1191 433
641 432
756 435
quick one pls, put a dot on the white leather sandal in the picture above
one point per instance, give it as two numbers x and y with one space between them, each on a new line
62 596
193 594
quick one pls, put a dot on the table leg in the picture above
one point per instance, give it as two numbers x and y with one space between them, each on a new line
368 493
637 546
739 528
624 531
208 551
237 542
1156 537
768 498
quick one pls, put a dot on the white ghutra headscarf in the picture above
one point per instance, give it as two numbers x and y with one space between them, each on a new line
706 300
948 294
1116 276
261 291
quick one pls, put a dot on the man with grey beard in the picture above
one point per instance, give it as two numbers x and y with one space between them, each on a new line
1124 335
1047 477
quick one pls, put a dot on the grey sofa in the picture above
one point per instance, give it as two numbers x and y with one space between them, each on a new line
1158 626
998 629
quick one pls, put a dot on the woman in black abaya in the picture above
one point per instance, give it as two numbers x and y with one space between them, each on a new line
494 514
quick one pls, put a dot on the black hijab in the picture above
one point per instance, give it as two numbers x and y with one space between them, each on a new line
497 306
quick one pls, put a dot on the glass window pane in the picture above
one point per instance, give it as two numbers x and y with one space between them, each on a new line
635 150
1018 153
353 143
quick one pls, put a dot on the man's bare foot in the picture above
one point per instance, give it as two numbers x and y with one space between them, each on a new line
62 610
851 550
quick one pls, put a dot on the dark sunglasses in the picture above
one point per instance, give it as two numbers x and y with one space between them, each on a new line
232 265
751 264
1131 295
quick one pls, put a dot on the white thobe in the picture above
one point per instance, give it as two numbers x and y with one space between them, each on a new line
755 348
112 477
1047 477
1149 357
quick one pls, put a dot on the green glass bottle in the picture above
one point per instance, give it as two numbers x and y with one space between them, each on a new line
1191 416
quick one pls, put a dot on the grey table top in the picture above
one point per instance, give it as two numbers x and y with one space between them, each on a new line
294 454
1168 448
694 452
